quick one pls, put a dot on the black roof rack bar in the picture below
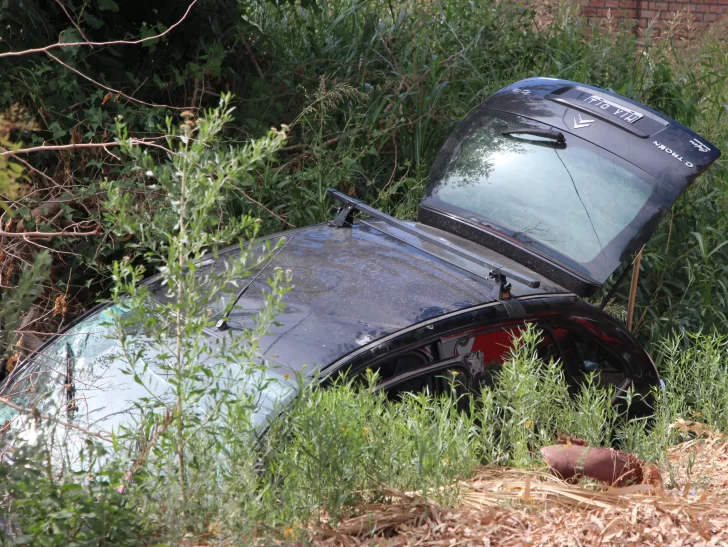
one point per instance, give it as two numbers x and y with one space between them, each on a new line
351 204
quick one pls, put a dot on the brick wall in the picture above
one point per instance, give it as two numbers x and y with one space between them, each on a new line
700 13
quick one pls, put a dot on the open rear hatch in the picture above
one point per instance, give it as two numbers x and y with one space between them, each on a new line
567 179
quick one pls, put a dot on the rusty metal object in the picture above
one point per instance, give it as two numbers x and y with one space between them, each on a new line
614 467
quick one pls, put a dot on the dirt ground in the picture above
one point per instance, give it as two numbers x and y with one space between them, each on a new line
502 506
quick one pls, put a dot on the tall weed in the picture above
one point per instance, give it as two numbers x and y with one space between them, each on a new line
695 370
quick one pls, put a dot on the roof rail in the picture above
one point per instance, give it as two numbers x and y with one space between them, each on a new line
497 272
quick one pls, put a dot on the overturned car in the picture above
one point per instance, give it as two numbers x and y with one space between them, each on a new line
537 197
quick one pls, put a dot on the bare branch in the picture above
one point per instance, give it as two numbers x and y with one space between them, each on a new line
158 431
96 232
57 45
34 412
259 204
49 148
29 166
254 61
112 90
71 20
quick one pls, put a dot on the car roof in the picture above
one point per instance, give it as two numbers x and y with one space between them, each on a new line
354 285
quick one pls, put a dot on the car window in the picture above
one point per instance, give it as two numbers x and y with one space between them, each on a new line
587 356
80 377
514 180
434 382
581 355
496 345
404 362
574 201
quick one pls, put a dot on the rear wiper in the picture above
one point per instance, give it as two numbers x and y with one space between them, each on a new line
557 136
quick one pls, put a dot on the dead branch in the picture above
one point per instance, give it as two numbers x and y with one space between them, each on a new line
34 412
259 204
253 60
159 430
71 20
112 90
72 146
87 43
29 166
394 170
302 155
293 147
47 235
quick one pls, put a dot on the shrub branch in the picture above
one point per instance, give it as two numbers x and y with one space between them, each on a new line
48 148
112 90
87 43
39 415
71 20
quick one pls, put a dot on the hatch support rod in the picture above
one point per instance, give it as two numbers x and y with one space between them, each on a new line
633 289
497 271
608 297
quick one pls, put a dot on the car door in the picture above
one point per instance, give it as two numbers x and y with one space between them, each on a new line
459 374
580 353
584 355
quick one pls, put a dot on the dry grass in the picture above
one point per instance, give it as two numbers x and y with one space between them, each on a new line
502 506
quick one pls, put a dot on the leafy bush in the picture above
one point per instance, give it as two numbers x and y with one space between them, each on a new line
76 509
334 448
529 407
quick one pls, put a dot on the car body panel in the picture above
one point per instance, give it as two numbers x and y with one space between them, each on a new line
547 312
352 286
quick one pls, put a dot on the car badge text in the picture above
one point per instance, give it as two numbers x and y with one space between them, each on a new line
700 146
582 122
622 112
673 154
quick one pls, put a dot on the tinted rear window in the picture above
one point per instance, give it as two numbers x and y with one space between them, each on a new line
574 201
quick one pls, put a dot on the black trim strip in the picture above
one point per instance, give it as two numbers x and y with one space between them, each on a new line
331 368
558 273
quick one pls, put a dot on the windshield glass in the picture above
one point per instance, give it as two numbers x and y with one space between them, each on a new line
80 378
574 201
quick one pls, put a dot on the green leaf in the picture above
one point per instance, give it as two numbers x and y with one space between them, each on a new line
58 131
108 5
93 22
70 35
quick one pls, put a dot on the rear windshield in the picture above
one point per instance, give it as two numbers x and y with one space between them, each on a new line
574 201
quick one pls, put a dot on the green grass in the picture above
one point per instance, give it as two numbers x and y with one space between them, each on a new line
335 450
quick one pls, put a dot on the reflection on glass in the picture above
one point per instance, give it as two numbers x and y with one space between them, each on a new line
571 199
103 392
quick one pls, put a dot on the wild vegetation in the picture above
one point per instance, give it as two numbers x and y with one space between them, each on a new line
149 163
